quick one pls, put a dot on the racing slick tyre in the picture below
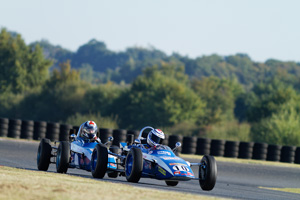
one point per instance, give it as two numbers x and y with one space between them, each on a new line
44 154
172 183
207 173
63 157
114 149
134 165
99 161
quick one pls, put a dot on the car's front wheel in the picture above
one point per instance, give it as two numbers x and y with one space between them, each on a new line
99 161
134 165
44 154
208 172
63 157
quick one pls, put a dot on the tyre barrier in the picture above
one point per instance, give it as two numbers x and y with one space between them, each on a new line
52 132
172 141
189 145
3 127
119 136
27 128
260 151
14 128
64 132
134 133
246 150
105 133
166 140
203 146
39 131
217 147
231 149
129 139
288 154
274 152
297 156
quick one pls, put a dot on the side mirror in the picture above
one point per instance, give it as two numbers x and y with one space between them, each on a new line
72 137
137 141
111 138
177 145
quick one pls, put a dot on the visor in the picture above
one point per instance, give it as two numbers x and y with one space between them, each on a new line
156 139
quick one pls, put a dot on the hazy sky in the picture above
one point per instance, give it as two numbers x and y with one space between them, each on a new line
261 28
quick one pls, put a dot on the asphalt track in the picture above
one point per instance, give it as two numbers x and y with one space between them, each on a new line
235 181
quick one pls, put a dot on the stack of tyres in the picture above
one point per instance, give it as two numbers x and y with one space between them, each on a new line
27 129
246 150
172 141
217 147
231 149
297 155
134 133
203 146
76 128
119 136
274 152
260 151
14 128
189 145
287 154
64 131
105 133
3 127
166 140
39 130
52 132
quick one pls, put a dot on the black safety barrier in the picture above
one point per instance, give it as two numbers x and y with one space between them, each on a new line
119 136
287 154
64 132
52 131
105 133
3 127
14 128
189 145
260 151
246 150
40 129
172 141
274 152
134 133
27 128
297 155
231 149
217 147
203 146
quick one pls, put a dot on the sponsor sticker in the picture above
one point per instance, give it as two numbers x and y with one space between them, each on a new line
170 158
164 152
189 174
177 164
161 170
177 173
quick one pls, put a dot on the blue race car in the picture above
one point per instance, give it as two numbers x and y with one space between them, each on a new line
76 154
159 162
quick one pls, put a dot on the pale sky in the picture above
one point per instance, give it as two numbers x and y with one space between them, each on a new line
262 29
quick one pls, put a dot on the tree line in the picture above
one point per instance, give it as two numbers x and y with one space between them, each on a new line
218 97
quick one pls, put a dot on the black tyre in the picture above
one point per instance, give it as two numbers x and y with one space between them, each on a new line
207 172
172 183
99 161
114 149
63 157
44 154
134 165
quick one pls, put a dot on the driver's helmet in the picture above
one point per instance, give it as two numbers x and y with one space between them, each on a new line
155 137
89 130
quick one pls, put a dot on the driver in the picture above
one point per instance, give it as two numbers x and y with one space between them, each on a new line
155 138
88 132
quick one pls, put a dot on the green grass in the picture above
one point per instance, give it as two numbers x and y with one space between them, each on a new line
27 185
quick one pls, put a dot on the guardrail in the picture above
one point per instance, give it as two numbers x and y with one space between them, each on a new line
27 129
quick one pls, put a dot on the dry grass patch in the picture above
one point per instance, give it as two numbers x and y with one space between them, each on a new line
27 185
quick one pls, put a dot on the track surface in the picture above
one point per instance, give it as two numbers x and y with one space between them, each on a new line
235 181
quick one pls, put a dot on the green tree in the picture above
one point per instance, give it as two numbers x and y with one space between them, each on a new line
22 67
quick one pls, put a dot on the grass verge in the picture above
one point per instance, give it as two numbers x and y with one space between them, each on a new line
27 185
244 161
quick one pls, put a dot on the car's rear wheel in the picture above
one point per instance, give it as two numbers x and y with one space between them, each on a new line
114 149
207 172
44 154
172 183
63 157
99 161
134 165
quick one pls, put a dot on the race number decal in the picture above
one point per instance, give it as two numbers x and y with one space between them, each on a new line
181 168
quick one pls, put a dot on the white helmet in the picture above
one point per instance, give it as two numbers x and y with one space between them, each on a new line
155 137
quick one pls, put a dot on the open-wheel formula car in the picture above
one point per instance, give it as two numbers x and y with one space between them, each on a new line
77 154
160 162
